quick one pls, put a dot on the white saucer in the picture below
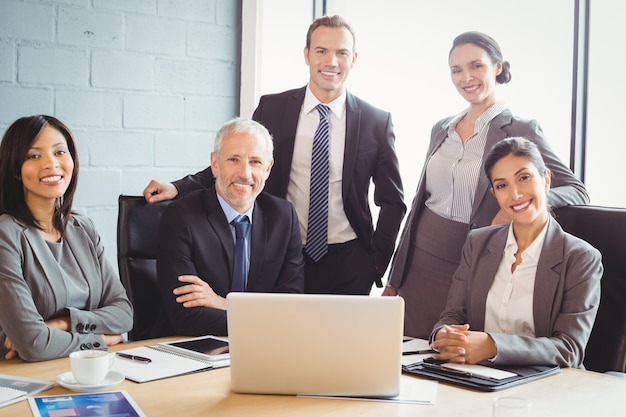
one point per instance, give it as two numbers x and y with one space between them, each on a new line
67 380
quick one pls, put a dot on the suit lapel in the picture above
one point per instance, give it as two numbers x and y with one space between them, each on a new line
258 241
217 221
547 278
487 266
353 132
495 134
419 199
284 141
79 244
438 139
53 272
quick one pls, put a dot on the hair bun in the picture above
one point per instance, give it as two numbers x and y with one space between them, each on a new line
505 75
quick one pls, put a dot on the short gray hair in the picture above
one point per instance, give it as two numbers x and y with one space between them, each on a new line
243 125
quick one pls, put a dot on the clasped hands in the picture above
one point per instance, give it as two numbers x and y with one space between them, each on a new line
456 343
197 293
64 324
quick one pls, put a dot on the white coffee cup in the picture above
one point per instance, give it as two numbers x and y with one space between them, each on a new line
90 367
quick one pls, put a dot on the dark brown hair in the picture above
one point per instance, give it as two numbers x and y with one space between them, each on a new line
516 146
489 45
14 148
335 21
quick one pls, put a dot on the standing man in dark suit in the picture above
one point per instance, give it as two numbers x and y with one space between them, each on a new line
198 256
361 150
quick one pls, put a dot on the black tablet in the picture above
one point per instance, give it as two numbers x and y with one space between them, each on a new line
209 348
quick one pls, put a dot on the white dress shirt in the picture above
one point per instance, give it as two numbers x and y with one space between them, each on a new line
231 214
509 307
339 229
452 172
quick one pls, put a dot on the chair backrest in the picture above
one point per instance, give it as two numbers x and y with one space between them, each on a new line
137 232
605 229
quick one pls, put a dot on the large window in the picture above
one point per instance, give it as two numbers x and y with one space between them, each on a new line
606 141
402 65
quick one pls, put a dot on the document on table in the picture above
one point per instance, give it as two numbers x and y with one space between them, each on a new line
415 345
412 391
10 396
16 388
479 370
158 363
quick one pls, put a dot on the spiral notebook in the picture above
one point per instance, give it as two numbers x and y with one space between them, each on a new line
16 388
10 396
162 364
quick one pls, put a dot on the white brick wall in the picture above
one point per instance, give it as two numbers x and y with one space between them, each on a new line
143 84
47 66
7 57
27 21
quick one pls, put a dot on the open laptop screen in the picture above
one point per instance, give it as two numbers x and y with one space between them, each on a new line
315 344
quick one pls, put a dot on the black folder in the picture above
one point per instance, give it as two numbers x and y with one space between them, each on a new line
523 374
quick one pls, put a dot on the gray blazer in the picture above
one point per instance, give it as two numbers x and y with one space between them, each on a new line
33 290
565 189
565 299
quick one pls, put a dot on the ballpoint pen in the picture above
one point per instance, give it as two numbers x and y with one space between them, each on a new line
135 358
418 352
445 369
439 367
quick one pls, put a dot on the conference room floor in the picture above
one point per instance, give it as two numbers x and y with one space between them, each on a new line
571 393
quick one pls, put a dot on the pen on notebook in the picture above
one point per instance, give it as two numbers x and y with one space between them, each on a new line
445 369
418 352
134 357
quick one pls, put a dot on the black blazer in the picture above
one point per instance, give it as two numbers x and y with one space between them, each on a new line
369 156
195 239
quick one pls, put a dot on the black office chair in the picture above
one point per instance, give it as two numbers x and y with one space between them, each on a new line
137 230
605 229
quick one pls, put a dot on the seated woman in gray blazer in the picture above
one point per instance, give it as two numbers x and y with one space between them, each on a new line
526 292
59 292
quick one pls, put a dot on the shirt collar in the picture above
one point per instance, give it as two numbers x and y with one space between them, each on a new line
485 118
337 106
231 213
533 250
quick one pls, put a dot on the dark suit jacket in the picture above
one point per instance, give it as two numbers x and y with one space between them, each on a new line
565 298
369 156
565 189
195 239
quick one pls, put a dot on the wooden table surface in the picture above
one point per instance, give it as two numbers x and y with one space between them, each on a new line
571 393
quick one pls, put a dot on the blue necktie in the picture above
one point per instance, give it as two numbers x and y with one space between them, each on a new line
317 230
240 272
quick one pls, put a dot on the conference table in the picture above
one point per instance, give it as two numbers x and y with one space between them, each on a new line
571 393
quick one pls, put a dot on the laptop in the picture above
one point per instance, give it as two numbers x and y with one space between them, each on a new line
306 344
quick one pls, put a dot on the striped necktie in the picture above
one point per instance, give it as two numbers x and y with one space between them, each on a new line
317 231
240 272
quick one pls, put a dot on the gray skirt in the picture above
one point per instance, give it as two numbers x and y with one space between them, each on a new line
434 256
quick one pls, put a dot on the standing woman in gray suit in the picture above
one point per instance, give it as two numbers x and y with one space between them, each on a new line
452 196
527 292
59 292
